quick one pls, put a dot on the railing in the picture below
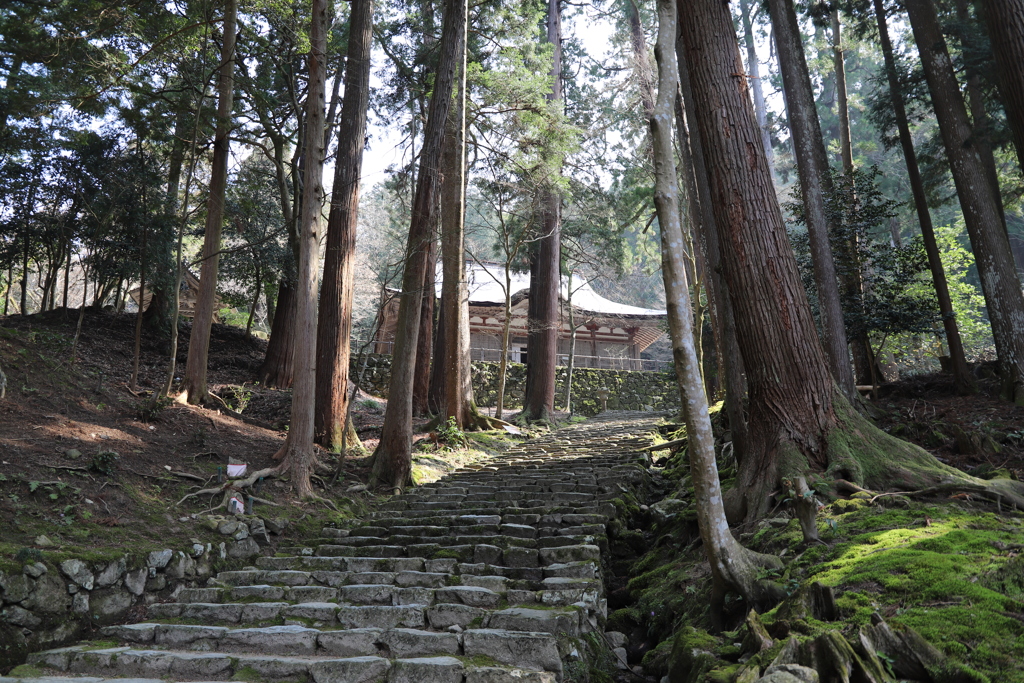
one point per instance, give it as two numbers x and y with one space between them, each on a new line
514 356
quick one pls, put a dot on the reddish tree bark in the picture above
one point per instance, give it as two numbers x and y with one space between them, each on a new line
392 461
334 327
277 369
543 319
297 452
812 163
202 320
425 339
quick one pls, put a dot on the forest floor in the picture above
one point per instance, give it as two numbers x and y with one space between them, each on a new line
59 416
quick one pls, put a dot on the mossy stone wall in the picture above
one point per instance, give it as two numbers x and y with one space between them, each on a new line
628 390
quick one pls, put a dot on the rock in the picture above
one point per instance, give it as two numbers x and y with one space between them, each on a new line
73 453
276 526
15 588
49 596
181 566
13 648
43 542
780 677
135 581
756 638
19 616
789 654
198 549
258 530
801 673
35 570
242 549
621 658
156 583
615 639
158 559
80 603
242 532
835 659
665 510
228 527
912 656
113 571
78 571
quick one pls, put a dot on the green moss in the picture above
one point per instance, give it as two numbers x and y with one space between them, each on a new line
479 661
26 671
655 661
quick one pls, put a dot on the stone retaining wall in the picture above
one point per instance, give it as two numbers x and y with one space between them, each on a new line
51 602
628 390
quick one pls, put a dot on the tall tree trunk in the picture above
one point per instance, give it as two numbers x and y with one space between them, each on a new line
138 315
812 164
799 420
67 277
454 293
1005 21
754 78
842 98
571 363
543 320
865 370
731 360
992 254
982 123
278 369
961 374
435 392
334 329
202 320
159 314
506 332
791 390
732 566
425 336
10 286
392 461
297 452
255 301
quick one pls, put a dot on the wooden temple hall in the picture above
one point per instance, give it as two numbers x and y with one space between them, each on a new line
608 334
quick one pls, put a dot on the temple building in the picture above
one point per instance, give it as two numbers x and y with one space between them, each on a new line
608 334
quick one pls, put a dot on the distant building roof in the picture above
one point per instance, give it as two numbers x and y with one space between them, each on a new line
486 282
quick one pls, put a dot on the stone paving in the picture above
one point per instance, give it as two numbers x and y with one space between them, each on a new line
486 576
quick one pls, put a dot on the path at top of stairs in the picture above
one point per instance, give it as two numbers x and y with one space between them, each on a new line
486 576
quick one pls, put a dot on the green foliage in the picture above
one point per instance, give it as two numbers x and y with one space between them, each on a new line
881 290
919 351
449 433
149 410
105 462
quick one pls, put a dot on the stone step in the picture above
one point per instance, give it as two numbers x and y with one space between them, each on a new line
514 555
472 674
498 646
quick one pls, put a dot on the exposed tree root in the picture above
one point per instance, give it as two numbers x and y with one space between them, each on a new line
988 491
858 456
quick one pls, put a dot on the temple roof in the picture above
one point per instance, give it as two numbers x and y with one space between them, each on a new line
486 283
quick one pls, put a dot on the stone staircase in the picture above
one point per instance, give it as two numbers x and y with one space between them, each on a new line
490 575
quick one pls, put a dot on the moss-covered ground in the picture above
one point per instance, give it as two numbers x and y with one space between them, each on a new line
950 568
